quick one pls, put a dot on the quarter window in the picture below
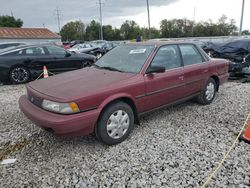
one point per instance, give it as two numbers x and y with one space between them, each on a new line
168 57
190 55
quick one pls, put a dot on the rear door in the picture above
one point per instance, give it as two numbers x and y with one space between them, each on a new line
164 88
34 57
195 69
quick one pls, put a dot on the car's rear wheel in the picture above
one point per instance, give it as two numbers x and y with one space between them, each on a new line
19 75
115 123
208 94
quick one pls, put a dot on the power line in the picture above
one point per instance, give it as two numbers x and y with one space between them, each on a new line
242 15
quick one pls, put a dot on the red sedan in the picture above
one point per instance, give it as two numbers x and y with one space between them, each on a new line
129 81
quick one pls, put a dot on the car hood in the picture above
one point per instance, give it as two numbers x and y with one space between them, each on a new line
77 84
81 49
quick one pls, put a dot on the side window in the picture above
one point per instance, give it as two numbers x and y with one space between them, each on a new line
54 50
190 55
33 51
168 57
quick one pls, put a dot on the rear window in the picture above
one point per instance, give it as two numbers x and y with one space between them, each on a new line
190 55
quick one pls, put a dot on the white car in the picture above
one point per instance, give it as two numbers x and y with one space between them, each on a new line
81 48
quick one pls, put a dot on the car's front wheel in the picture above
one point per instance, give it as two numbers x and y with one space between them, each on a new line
115 123
208 94
19 75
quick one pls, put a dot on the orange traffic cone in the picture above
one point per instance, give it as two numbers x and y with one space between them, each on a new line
246 134
45 72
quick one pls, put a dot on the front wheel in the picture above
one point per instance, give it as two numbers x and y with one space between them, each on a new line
115 123
208 94
19 75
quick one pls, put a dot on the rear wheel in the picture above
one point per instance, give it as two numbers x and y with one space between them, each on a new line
115 123
19 75
208 94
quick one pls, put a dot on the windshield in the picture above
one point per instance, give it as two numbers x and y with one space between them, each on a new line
128 58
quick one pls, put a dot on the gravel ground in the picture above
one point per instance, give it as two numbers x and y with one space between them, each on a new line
173 147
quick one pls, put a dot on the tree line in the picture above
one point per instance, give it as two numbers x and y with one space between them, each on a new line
173 28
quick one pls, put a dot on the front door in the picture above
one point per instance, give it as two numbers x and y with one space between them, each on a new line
167 87
61 60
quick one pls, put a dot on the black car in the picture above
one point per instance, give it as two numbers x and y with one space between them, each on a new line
22 64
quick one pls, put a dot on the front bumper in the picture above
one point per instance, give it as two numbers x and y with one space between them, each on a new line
63 125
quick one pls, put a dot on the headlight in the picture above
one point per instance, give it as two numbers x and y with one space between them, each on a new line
62 108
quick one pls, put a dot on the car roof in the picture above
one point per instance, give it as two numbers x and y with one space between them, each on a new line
15 48
2 43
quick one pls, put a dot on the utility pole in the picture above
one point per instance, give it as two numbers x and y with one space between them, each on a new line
193 21
100 31
242 15
149 28
58 19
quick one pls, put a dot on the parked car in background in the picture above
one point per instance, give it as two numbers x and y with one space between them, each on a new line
22 64
129 81
92 48
237 51
68 45
82 48
10 44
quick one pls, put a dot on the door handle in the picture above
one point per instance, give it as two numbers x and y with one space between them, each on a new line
181 77
205 71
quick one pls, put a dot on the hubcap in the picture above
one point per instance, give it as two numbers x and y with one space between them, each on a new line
20 75
210 90
118 124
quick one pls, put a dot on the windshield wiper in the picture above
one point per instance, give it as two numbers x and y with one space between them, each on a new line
112 69
107 68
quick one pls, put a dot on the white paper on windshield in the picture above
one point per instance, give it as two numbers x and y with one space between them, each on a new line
137 51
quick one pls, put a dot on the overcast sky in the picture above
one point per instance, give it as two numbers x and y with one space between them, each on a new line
36 13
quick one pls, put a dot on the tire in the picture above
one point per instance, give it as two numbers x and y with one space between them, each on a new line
112 129
208 94
19 75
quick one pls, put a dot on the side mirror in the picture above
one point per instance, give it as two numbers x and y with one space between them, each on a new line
155 69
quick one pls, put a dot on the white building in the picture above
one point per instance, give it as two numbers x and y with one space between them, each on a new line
28 35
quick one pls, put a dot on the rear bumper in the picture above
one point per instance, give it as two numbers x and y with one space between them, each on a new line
63 125
223 78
